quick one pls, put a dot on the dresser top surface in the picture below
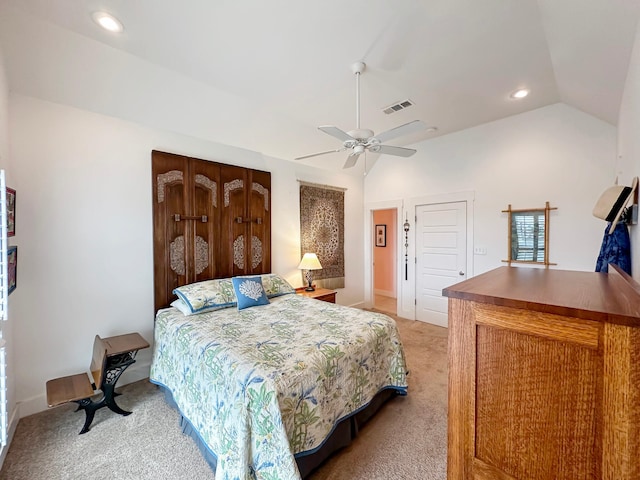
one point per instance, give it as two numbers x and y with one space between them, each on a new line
612 297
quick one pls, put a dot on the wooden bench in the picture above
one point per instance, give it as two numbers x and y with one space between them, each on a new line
80 388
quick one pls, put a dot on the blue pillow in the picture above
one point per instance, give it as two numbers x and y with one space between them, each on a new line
249 292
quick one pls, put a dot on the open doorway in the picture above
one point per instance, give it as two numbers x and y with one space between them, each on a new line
385 281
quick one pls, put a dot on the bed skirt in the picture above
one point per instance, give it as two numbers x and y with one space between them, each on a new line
343 433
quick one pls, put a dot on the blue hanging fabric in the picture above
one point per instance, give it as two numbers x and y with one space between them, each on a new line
616 249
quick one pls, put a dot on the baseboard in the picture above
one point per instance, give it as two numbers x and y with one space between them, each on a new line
436 318
38 403
385 293
11 430
357 305
131 374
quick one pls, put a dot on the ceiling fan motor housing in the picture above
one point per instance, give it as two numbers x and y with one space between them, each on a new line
361 134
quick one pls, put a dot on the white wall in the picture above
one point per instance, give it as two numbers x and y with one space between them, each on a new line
628 165
8 327
85 222
554 154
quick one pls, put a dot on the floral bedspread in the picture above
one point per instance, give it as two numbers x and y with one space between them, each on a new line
265 383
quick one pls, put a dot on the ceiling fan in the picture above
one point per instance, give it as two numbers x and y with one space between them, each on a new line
360 140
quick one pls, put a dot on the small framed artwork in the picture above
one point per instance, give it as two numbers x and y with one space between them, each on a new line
11 212
12 267
381 235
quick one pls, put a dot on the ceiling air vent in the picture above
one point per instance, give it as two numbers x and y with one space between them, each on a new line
396 107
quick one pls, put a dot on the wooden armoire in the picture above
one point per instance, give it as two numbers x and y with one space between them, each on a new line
210 220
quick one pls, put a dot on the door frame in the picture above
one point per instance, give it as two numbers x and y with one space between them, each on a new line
368 248
409 303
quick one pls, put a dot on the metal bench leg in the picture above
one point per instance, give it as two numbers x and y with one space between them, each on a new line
110 401
89 407
116 365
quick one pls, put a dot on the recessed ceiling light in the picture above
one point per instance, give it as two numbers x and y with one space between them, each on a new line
521 93
108 22
431 129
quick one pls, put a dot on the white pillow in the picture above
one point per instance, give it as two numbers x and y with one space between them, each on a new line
186 311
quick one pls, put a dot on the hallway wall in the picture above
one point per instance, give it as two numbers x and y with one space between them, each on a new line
384 260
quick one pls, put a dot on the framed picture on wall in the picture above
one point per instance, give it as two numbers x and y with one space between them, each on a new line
381 235
11 212
12 267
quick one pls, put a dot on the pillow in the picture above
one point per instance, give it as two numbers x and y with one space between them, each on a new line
249 292
202 296
274 285
180 305
186 311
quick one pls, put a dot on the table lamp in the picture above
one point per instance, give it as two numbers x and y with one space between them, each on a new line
309 262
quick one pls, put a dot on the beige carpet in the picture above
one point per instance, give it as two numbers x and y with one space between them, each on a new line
406 440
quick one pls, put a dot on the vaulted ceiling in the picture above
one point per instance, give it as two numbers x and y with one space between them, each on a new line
263 75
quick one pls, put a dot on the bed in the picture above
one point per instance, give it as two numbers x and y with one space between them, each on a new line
264 388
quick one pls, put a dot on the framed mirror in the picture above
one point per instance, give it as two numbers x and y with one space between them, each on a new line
528 237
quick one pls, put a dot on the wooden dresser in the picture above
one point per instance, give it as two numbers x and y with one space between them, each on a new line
544 376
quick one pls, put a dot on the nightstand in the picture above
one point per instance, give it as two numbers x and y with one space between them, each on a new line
323 294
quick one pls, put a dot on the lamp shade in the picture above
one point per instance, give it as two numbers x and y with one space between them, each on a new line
310 262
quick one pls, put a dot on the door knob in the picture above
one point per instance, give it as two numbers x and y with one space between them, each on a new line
461 273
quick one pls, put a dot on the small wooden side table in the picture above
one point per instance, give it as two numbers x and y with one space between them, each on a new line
323 294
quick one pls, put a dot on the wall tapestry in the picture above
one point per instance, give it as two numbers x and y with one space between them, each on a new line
322 231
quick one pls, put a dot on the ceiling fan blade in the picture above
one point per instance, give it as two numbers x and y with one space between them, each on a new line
406 129
397 151
336 132
351 160
320 153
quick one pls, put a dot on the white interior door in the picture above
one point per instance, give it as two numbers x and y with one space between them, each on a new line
441 257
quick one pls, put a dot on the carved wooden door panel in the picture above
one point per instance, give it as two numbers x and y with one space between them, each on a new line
206 218
259 236
186 218
246 221
233 217
169 174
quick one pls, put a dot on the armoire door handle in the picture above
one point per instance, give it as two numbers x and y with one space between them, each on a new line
248 220
178 218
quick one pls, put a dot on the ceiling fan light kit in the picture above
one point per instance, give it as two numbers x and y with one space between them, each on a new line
360 140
